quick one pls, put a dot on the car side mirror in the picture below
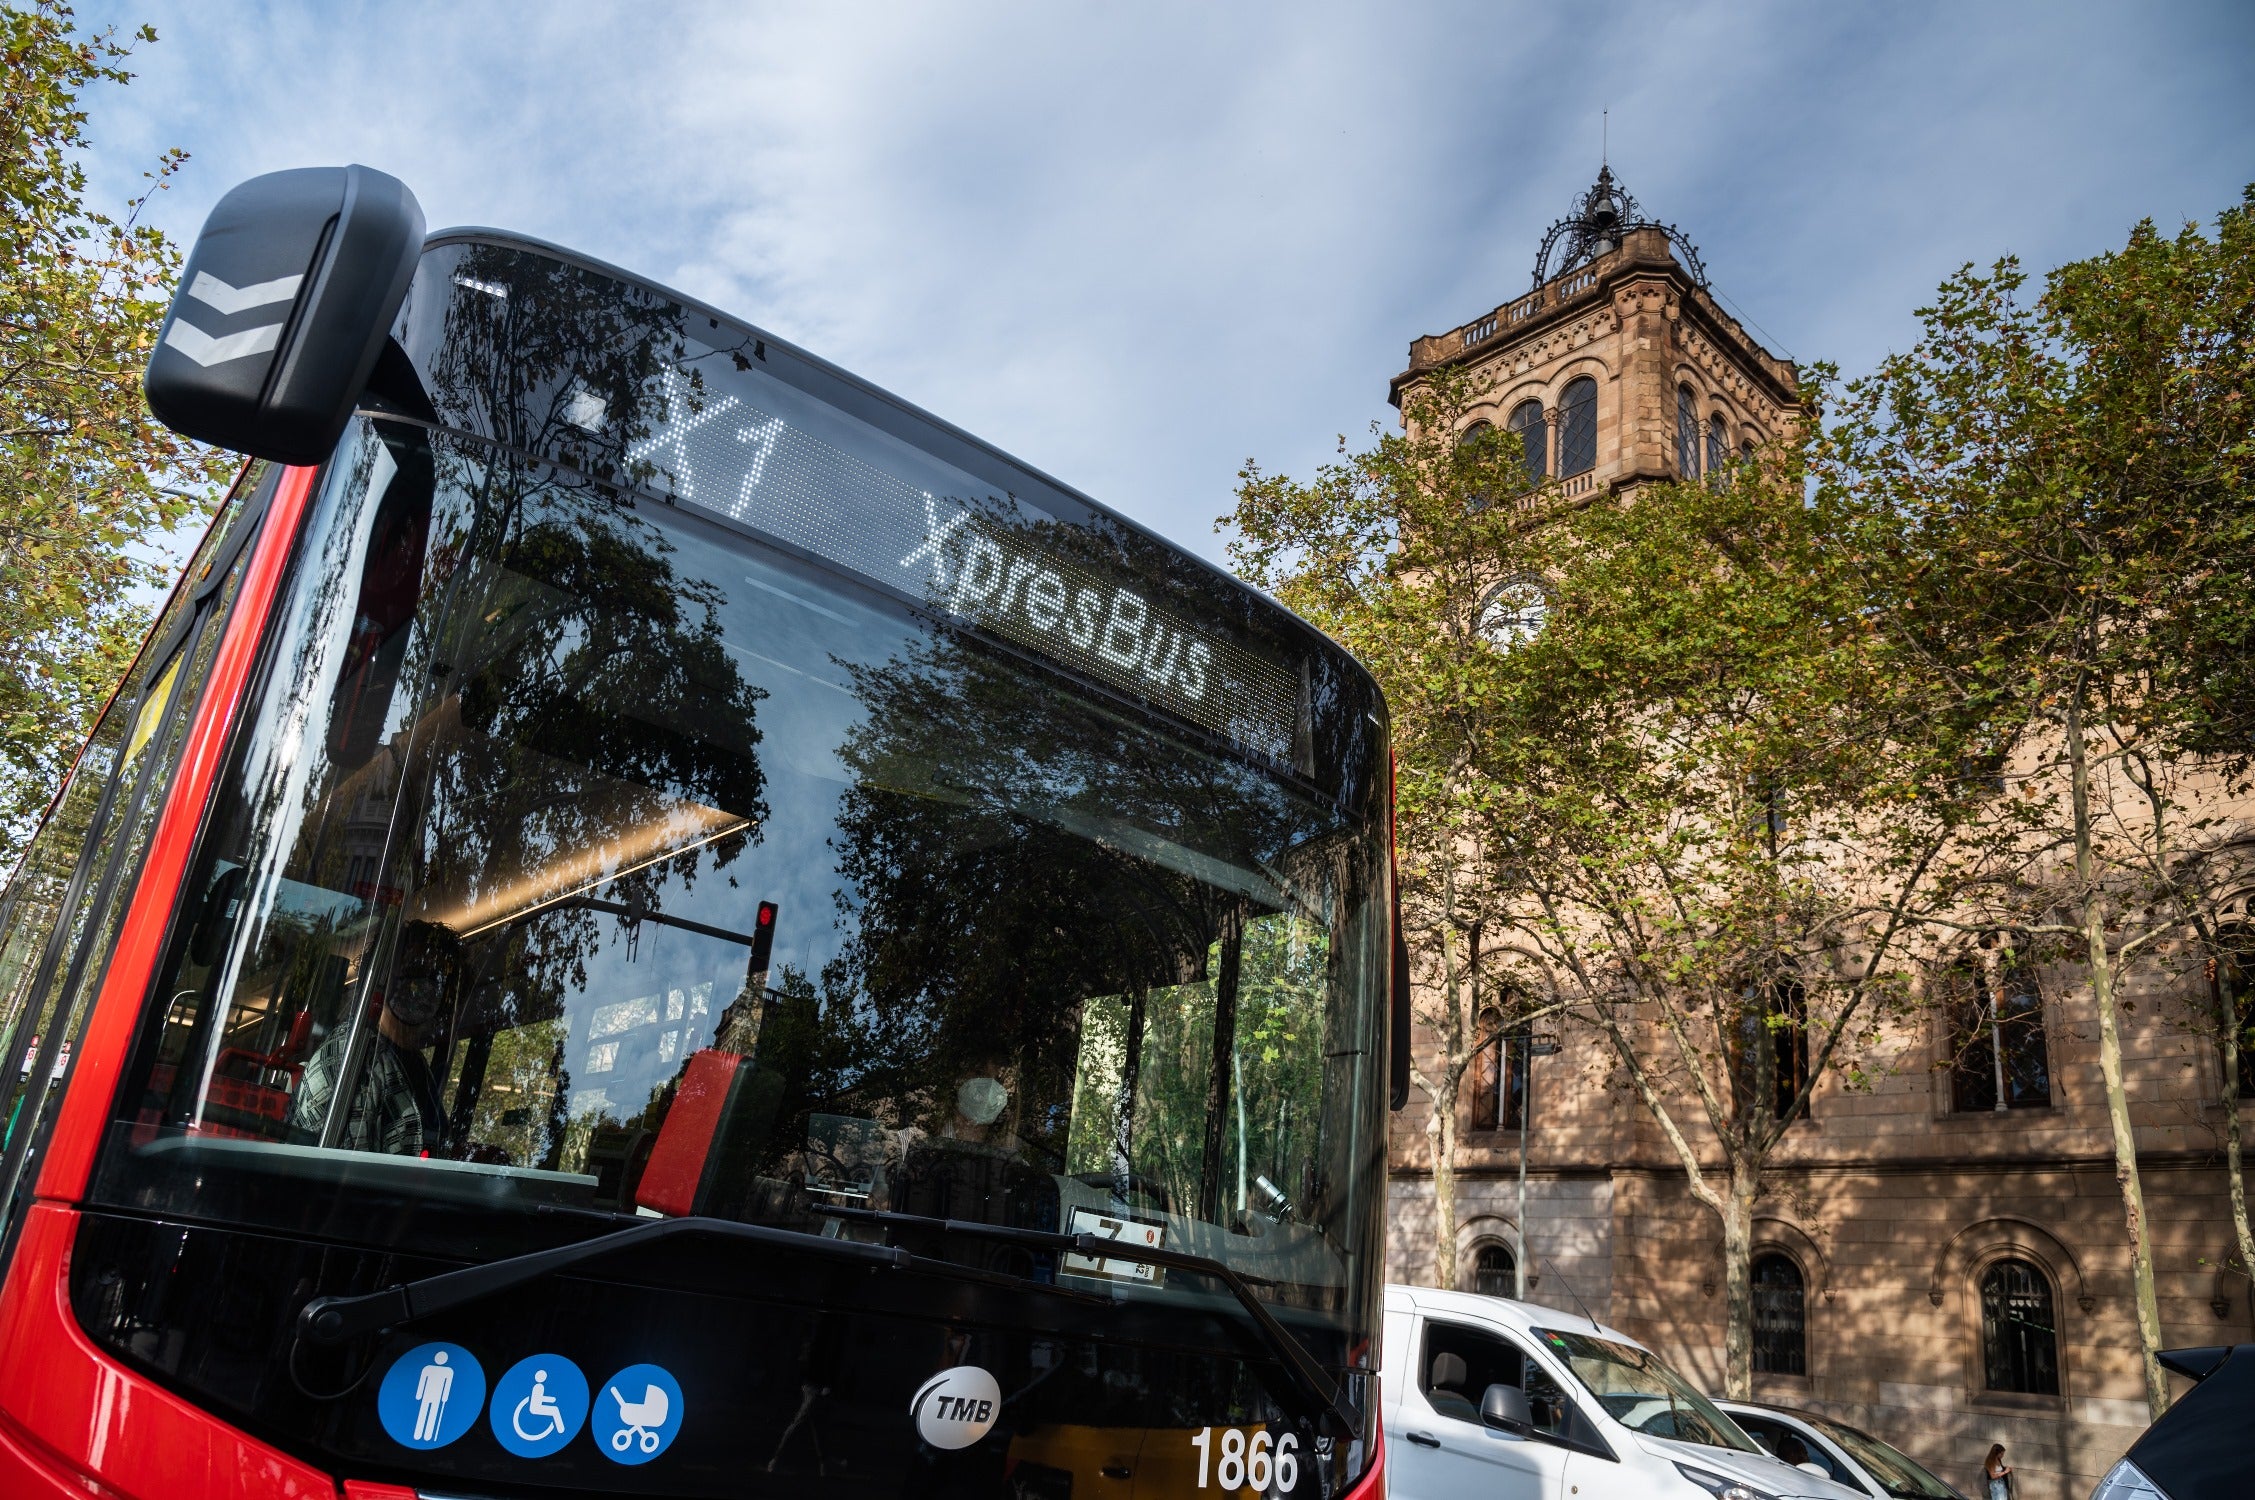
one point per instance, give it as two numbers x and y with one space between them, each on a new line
1505 1407
282 308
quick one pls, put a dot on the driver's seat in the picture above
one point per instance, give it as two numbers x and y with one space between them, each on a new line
1446 1389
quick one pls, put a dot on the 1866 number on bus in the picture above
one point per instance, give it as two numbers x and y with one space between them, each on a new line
1237 1459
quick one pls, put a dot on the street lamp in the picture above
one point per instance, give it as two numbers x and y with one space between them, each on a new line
1537 1044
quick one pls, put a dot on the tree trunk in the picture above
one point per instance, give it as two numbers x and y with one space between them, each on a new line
1440 1132
2236 1179
1738 1280
2126 1175
1445 1089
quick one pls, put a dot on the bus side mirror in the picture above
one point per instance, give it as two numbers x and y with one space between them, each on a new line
1504 1407
282 308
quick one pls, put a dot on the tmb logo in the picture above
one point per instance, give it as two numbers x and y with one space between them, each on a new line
957 1407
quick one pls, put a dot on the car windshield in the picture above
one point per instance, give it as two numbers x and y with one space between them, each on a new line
588 855
1642 1393
1897 1472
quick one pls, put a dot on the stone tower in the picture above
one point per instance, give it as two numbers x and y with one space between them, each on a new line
1618 368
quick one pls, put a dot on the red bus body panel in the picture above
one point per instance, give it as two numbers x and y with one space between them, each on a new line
73 1422
109 1030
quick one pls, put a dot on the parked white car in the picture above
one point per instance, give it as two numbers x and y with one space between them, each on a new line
1848 1454
1499 1400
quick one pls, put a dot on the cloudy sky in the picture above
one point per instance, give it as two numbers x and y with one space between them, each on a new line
1136 245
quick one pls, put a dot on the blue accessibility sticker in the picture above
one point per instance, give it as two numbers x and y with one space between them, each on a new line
539 1406
637 1413
431 1395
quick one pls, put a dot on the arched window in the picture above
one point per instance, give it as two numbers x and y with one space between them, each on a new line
2019 1341
1478 501
1495 1272
1577 428
1534 436
1772 1038
1718 446
1998 1059
1687 433
1499 1078
1781 1345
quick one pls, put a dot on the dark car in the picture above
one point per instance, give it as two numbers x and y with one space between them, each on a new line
2198 1450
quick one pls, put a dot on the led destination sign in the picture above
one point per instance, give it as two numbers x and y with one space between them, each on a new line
908 522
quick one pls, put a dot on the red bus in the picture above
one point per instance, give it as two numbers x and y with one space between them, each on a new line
652 919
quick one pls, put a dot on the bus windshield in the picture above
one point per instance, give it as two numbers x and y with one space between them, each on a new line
585 856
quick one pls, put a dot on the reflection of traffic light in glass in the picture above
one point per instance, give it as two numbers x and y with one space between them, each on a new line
763 937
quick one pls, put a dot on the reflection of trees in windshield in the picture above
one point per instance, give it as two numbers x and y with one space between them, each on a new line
529 717
596 742
1055 897
599 735
592 703
552 359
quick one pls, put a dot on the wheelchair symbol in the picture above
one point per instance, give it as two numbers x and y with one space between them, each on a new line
639 1419
541 1405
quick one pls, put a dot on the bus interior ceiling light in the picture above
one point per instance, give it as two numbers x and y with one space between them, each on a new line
581 871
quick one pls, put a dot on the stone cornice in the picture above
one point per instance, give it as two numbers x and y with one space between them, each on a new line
1707 335
1592 300
1925 1165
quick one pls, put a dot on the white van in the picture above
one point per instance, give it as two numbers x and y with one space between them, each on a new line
1499 1400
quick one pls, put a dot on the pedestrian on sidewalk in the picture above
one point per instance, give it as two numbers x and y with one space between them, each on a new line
1996 1475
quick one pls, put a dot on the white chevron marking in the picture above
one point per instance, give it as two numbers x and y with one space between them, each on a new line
208 351
228 299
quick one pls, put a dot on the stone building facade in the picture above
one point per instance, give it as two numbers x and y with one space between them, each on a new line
1929 1240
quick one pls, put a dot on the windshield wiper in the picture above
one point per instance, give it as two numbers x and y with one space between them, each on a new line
332 1320
1314 1385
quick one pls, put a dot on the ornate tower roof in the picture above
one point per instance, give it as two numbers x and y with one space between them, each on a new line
1594 227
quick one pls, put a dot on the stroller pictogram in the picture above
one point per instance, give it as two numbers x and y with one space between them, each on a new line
638 1420
641 1416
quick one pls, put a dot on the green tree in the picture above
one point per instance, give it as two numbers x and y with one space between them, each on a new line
1396 552
1654 771
1733 815
89 481
2051 503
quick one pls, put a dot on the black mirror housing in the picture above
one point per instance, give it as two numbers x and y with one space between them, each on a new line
282 308
1505 1407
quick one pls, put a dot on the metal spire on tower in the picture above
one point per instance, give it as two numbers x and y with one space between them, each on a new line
1595 226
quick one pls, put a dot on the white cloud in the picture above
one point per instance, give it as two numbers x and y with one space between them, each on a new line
1136 246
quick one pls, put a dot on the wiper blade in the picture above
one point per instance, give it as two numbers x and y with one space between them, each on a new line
1314 1385
332 1320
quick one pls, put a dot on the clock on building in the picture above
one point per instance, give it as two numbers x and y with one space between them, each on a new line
1513 612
